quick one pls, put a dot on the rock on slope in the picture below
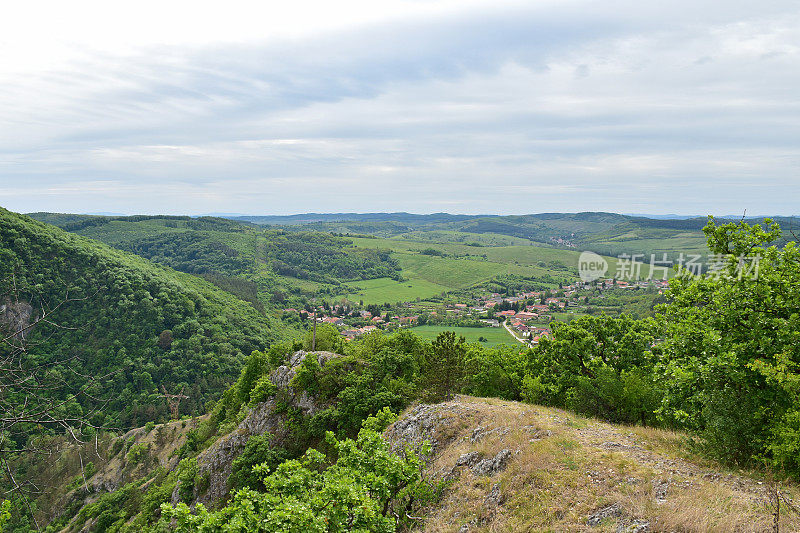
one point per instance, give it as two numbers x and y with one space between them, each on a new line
215 462
519 467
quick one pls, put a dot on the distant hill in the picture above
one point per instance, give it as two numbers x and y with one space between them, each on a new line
283 261
606 233
151 325
307 218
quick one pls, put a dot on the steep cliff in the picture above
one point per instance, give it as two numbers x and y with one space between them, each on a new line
214 464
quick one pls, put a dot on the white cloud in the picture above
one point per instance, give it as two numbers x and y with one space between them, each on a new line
482 107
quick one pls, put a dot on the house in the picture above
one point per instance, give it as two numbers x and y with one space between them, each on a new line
492 323
522 315
351 334
510 312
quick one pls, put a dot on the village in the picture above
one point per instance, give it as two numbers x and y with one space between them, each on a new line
527 315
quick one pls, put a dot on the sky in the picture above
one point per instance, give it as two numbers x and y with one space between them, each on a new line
468 106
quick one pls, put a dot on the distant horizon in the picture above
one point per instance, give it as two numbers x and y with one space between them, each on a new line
362 213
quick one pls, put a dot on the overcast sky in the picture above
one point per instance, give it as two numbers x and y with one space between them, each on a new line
461 106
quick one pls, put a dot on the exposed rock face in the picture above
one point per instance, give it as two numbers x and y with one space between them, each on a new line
481 466
15 317
160 443
596 518
491 466
216 461
432 423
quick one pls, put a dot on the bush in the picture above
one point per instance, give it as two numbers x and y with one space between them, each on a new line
630 397
365 488
257 451
137 453
187 472
264 389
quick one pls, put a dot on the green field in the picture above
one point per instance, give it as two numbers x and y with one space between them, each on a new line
494 336
383 290
463 267
456 237
430 275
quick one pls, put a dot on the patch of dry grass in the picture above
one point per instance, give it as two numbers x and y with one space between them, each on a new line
565 467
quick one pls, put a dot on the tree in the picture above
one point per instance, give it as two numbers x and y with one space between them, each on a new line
601 366
38 394
327 338
732 351
445 366
165 340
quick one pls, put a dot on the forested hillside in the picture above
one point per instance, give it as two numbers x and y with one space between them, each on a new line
274 263
149 328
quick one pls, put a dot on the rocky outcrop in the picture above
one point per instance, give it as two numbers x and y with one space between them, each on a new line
435 424
15 317
492 465
215 463
481 465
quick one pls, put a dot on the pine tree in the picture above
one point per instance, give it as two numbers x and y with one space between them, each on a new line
445 366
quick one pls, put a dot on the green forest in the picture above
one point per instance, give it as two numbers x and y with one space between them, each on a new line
147 328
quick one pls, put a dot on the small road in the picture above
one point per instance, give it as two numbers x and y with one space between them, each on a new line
508 329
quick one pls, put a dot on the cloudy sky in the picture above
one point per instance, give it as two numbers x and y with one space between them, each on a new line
464 106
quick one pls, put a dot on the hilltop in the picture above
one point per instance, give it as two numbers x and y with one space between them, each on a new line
511 466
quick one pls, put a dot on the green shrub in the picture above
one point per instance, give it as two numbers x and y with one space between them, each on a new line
365 488
137 453
263 390
187 472
257 451
630 397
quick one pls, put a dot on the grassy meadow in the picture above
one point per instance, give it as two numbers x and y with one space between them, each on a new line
462 267
493 336
383 290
